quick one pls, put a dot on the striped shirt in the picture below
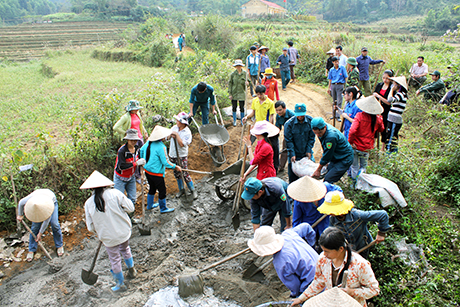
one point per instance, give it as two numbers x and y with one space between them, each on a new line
398 104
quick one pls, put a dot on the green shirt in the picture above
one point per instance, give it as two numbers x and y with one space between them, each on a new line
236 85
335 146
353 77
437 87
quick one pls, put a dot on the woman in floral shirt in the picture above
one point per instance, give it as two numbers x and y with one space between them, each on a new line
337 258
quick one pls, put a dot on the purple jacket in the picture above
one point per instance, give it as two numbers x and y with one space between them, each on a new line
363 66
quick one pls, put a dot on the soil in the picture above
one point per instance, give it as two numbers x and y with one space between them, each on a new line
195 235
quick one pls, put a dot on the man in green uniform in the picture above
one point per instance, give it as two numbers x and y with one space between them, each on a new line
337 152
435 90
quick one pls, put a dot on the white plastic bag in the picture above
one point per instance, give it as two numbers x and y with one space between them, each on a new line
306 167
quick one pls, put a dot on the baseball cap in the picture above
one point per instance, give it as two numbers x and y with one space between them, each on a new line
364 49
251 187
435 73
318 123
300 109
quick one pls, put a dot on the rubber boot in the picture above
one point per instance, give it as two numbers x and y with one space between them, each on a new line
180 184
242 115
192 188
150 204
163 208
131 270
119 279
234 119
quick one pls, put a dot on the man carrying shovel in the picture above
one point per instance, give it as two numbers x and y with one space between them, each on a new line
41 207
294 260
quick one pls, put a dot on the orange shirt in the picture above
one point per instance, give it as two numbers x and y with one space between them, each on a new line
272 88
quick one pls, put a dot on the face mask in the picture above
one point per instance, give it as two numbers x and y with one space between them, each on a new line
269 77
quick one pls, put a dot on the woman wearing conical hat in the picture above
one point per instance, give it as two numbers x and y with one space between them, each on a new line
106 214
398 100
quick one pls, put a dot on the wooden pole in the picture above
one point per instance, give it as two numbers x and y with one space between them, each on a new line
35 238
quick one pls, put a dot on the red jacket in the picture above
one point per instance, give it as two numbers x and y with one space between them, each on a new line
272 88
263 157
360 132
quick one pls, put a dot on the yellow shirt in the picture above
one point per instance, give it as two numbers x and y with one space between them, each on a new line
261 109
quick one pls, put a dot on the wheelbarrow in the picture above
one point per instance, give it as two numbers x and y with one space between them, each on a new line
215 136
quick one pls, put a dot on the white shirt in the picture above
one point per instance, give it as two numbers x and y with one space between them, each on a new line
186 136
419 70
113 226
343 60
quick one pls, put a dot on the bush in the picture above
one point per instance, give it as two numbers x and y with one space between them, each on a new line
215 34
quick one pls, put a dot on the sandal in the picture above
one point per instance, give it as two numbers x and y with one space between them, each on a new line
30 256
60 251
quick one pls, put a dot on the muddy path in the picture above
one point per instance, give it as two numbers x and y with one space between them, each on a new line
196 234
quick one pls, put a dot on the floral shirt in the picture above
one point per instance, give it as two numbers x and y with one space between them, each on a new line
361 279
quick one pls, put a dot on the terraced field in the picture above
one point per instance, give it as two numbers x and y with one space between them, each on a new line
28 41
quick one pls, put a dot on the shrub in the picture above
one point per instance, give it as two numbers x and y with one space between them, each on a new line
215 34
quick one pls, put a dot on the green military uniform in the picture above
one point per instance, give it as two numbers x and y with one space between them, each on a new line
353 77
434 90
236 85
337 152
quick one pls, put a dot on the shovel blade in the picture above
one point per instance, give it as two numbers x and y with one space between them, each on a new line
144 230
88 277
250 271
190 285
236 221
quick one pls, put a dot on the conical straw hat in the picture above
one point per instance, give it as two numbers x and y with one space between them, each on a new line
370 105
331 51
38 208
332 298
400 80
96 180
307 189
159 133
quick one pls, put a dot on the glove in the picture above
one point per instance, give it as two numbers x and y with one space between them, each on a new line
140 162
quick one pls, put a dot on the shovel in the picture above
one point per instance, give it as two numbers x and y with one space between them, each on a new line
35 238
239 191
89 277
144 230
193 284
367 246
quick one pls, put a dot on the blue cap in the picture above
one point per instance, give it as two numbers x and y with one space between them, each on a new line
318 123
300 109
285 49
251 187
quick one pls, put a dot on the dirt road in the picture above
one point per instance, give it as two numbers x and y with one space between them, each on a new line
195 235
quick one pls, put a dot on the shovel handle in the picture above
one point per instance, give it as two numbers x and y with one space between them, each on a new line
367 246
141 170
180 164
35 238
319 221
198 172
95 257
225 259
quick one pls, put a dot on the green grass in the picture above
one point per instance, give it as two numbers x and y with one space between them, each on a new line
33 103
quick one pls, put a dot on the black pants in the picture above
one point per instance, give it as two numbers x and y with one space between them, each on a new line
276 151
156 183
392 136
234 103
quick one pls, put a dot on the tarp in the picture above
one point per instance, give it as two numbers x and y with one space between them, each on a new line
388 191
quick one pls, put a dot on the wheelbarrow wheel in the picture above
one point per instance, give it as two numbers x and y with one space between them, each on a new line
224 193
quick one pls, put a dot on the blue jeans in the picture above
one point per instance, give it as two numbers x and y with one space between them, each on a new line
335 170
360 159
204 112
285 77
57 234
129 186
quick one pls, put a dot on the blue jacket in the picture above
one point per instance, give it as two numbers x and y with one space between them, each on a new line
354 227
308 212
337 75
335 146
363 66
284 66
351 110
280 121
157 161
253 62
275 199
202 98
264 63
299 137
295 263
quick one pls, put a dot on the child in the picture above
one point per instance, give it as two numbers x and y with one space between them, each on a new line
183 136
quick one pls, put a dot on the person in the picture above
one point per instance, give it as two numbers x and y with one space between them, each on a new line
362 133
435 90
329 63
418 73
342 57
264 60
270 84
253 68
381 92
201 96
284 61
337 152
257 45
282 116
353 72
299 138
293 56
154 153
131 120
364 60
353 222
270 195
263 154
183 136
337 78
180 42
106 213
237 89
308 194
125 165
336 258
41 208
398 100
349 112
452 95
293 258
